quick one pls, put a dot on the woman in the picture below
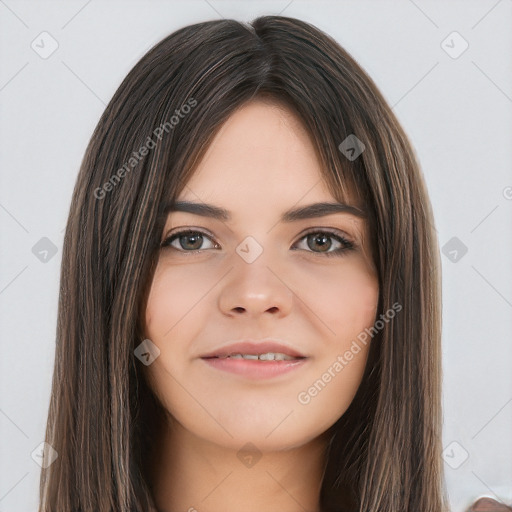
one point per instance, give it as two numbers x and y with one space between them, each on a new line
249 315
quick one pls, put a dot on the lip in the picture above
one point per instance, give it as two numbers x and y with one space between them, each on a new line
255 369
252 369
254 347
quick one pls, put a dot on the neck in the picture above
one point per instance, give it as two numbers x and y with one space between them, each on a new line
193 474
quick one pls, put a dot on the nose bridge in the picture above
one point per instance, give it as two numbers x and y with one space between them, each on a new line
255 284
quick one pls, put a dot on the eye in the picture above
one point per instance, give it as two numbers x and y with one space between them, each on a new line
319 239
188 240
191 241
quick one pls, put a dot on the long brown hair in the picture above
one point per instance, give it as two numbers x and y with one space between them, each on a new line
385 451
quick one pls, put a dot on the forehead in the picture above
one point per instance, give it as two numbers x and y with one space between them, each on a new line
262 167
263 149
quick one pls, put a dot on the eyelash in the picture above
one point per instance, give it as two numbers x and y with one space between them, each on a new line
348 245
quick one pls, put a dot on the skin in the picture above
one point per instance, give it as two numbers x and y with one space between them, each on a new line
319 304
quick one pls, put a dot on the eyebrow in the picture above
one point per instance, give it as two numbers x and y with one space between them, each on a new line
309 211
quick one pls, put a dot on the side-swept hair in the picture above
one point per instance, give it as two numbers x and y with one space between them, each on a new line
385 451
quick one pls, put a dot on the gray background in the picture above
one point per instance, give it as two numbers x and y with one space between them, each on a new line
456 108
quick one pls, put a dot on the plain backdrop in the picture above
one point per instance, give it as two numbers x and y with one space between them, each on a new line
444 67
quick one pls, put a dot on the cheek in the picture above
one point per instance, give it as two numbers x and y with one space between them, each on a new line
174 294
348 305
359 297
173 309
347 300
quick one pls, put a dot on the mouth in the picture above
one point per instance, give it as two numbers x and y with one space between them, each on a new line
267 350
256 366
268 356
256 360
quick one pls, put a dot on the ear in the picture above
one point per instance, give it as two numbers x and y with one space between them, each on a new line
489 505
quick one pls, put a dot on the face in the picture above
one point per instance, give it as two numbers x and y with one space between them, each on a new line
308 283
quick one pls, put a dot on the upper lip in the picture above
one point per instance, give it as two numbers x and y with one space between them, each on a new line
254 347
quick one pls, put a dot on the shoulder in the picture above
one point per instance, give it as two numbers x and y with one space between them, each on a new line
489 505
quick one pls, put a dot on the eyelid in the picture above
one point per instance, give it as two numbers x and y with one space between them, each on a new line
185 229
332 231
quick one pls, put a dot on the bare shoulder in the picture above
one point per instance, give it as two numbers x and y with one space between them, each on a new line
489 505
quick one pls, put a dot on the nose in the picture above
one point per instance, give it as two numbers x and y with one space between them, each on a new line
254 288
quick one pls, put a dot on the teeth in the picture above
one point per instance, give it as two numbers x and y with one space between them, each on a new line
269 356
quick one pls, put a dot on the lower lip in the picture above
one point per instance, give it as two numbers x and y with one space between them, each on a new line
255 369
